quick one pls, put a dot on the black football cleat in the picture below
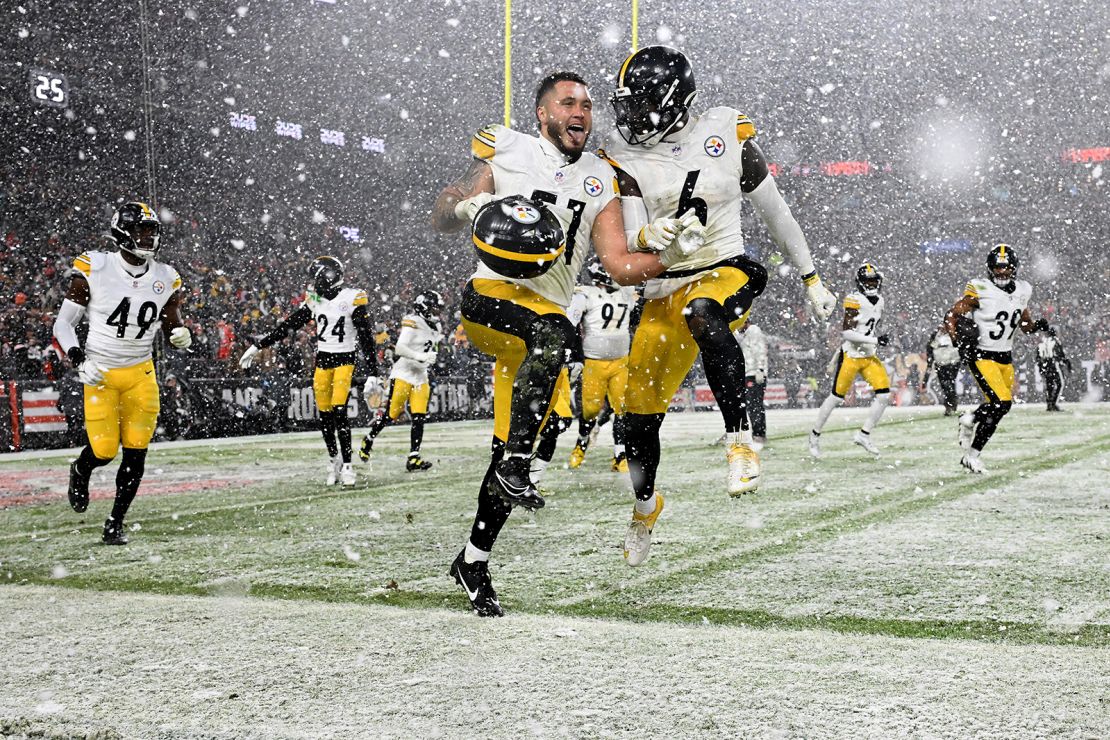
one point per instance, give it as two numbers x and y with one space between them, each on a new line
78 489
514 484
113 533
475 580
415 463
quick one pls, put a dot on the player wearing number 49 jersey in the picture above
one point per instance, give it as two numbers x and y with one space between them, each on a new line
342 325
998 306
128 296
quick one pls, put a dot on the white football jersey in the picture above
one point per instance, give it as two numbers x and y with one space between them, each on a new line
698 170
999 313
867 322
604 316
417 337
574 191
1046 348
124 311
335 331
754 346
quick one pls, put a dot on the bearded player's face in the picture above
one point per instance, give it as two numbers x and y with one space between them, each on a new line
566 117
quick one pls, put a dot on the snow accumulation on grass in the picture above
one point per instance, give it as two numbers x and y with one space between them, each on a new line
158 666
850 596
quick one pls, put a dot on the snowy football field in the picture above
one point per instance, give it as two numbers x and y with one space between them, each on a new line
849 597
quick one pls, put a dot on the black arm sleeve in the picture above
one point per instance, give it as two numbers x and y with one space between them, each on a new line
292 322
365 330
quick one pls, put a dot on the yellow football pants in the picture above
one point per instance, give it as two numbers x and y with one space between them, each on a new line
402 392
601 379
663 350
871 368
123 408
995 379
331 386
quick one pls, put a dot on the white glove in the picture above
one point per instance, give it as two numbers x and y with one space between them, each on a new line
759 377
91 373
821 298
428 357
467 209
181 337
574 371
372 387
658 235
248 356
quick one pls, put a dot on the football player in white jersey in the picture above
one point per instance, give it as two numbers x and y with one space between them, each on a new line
342 325
416 349
998 305
603 309
128 295
522 322
694 168
863 312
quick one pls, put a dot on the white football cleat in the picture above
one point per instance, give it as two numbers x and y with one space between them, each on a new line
815 445
863 439
637 542
347 474
967 430
333 470
743 470
972 464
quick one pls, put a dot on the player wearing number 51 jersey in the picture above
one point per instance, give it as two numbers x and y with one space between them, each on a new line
342 325
998 306
128 296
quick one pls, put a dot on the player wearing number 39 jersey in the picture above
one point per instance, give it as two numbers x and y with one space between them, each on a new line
998 306
128 296
523 322
342 325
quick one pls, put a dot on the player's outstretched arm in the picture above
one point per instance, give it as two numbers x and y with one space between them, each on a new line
291 323
458 202
69 317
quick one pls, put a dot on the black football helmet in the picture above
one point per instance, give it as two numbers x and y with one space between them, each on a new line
428 304
597 274
655 89
326 276
868 279
136 229
518 237
1002 264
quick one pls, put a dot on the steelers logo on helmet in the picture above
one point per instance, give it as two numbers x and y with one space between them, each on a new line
136 229
868 279
1002 263
326 274
517 237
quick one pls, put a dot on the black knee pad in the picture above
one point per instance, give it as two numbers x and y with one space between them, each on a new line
708 324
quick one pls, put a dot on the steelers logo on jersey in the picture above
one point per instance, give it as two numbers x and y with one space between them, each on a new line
158 287
593 186
525 214
714 146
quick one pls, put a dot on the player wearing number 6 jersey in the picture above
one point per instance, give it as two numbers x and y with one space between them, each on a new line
998 306
523 322
342 325
128 296
693 169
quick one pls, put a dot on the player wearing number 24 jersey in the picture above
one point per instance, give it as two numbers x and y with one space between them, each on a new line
342 326
128 296
523 322
998 306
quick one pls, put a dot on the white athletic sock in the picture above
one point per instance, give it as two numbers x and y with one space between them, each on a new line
473 554
743 437
535 473
645 507
973 453
618 451
878 406
827 407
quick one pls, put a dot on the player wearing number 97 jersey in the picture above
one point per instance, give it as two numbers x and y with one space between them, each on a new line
342 325
523 322
128 296
998 306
